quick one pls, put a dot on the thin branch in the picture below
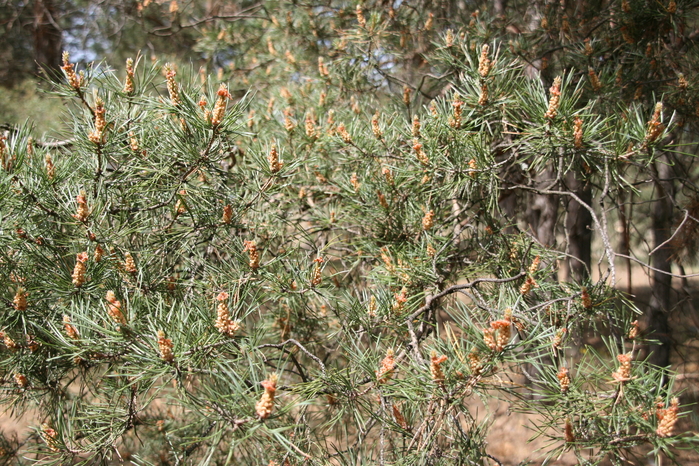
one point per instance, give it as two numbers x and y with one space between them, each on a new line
609 252
300 346
429 300
644 264
677 230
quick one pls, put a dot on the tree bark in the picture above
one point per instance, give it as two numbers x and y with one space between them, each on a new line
578 223
47 34
543 210
661 293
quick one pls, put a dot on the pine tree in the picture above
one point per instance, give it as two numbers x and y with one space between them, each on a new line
321 254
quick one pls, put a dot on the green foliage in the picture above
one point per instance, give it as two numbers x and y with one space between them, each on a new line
340 227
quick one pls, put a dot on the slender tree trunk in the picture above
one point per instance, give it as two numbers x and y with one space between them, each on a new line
543 213
625 241
578 225
47 34
662 282
508 206
543 210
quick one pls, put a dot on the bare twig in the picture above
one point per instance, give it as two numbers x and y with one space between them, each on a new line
300 346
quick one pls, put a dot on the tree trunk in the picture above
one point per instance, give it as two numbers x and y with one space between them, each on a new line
578 225
660 304
47 34
543 210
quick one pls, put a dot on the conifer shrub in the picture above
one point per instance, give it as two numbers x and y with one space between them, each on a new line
319 271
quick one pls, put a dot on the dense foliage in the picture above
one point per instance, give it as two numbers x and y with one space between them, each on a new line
324 252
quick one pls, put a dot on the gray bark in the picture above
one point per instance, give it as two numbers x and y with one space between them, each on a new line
661 293
543 210
578 226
